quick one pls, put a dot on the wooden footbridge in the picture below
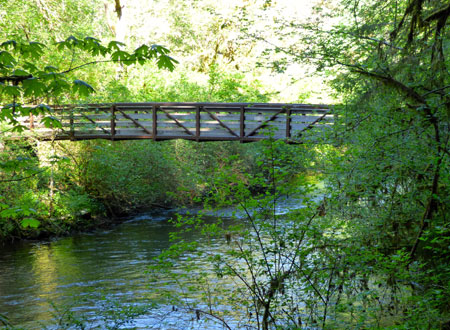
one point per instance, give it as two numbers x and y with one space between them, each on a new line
244 122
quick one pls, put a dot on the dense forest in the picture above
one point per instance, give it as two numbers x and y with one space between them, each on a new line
367 245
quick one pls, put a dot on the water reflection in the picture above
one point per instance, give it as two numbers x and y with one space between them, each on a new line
86 271
87 267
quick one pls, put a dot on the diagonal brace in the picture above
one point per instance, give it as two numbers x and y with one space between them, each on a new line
264 124
213 116
314 122
138 124
93 122
177 122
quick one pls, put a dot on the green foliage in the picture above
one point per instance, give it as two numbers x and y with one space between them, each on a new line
374 254
25 74
82 88
81 181
260 259
29 222
49 20
389 179
33 75
129 175
217 85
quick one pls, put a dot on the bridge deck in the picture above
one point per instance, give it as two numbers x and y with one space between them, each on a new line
243 122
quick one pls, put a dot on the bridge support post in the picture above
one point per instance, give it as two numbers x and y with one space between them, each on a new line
155 122
197 123
288 124
72 126
113 122
31 121
242 125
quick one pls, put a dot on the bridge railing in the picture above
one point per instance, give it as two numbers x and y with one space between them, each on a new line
244 122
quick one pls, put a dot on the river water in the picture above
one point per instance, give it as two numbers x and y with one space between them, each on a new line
88 274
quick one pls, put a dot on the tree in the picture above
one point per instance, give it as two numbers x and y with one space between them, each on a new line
389 179
35 76
24 80
257 268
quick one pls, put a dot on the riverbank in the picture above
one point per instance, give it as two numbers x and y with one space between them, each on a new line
93 182
86 223
59 188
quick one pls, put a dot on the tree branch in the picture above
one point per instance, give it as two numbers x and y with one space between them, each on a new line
15 79
442 12
436 91
388 80
25 177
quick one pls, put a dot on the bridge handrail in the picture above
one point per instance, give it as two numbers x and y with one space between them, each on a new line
200 121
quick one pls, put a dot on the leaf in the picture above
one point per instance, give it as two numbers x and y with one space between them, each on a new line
51 68
8 213
20 72
48 76
41 109
28 211
31 67
33 87
9 44
33 50
120 55
30 222
92 40
58 86
95 47
11 90
18 127
7 59
60 45
24 111
142 50
82 87
69 43
115 45
51 122
160 49
166 62
73 40
6 113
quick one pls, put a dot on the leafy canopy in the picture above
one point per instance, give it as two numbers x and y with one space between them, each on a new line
29 76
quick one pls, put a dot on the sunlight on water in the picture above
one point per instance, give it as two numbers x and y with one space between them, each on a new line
90 274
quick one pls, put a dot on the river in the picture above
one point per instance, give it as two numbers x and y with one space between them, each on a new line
90 274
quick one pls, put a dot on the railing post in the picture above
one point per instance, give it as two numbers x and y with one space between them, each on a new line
72 128
113 122
155 122
288 123
197 123
31 121
242 125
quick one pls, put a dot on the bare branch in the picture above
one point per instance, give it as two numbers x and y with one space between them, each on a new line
436 91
